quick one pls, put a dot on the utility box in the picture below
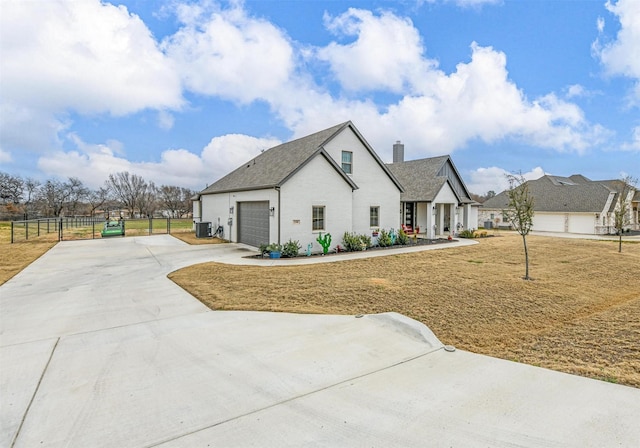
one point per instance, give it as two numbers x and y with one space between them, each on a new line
203 229
488 225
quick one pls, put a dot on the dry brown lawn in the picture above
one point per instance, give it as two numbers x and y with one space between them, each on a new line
17 256
580 314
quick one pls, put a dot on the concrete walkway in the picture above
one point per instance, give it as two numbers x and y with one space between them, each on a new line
99 348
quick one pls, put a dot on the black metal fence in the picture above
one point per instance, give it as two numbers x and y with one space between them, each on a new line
79 228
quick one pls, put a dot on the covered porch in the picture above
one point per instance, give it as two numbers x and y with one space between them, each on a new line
433 220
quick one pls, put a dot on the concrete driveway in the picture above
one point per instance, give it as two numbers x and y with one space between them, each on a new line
99 348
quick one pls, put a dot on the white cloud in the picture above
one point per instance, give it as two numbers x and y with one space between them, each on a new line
622 55
575 90
634 143
83 56
386 55
494 179
27 128
229 54
92 163
165 120
5 156
228 152
445 112
101 59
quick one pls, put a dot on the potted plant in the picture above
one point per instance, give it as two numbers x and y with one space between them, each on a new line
275 250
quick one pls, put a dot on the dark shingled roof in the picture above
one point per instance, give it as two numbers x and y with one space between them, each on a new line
421 179
273 167
573 194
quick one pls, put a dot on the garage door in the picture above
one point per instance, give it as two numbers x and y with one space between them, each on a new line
253 223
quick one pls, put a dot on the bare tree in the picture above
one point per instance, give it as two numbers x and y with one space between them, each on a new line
76 193
148 200
97 198
176 200
31 187
483 197
520 211
622 213
128 189
53 195
11 188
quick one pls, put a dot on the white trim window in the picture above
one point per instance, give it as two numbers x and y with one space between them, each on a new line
317 217
374 216
347 162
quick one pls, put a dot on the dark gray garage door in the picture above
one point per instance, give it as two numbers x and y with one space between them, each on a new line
253 223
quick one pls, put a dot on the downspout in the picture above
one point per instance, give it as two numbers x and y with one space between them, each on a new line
279 216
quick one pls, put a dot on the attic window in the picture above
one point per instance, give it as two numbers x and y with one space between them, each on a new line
347 162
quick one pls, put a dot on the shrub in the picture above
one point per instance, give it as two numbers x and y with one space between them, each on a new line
354 243
469 233
403 238
291 248
384 238
264 249
274 247
351 242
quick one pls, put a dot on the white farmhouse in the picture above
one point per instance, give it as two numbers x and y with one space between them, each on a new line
328 182
334 182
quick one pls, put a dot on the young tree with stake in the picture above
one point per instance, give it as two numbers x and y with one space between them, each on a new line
622 212
520 212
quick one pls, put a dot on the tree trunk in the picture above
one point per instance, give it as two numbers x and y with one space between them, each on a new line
620 243
526 257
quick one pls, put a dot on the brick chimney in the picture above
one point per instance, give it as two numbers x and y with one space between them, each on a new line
398 152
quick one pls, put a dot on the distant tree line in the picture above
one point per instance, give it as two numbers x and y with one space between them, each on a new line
483 197
126 194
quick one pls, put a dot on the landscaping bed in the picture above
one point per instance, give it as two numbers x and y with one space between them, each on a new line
341 251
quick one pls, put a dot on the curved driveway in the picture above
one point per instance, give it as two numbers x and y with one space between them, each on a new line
99 348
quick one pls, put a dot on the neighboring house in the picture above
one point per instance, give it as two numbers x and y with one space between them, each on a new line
435 198
328 182
572 204
333 181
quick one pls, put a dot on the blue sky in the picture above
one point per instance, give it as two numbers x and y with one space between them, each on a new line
183 92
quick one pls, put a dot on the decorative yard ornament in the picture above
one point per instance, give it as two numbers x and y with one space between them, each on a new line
325 242
309 246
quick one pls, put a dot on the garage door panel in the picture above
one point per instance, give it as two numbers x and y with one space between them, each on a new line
253 223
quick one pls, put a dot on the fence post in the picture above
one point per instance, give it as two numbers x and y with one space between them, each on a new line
169 225
11 232
26 229
60 230
150 225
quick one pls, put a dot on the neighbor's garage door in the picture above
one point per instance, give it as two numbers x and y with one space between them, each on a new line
253 223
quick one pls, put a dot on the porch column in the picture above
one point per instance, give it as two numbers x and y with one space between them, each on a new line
467 215
431 214
440 229
456 211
